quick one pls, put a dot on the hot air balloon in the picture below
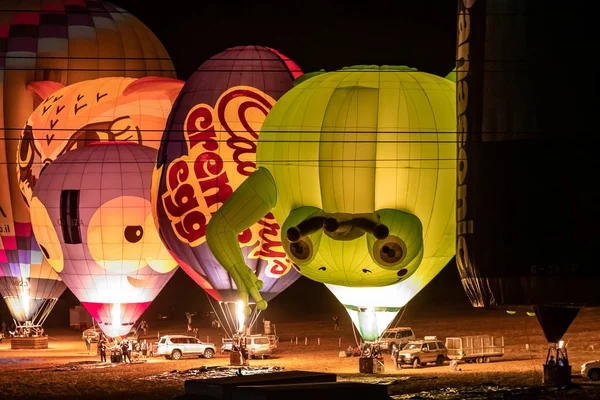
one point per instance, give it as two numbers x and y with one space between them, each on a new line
64 42
358 166
104 109
207 150
527 219
91 213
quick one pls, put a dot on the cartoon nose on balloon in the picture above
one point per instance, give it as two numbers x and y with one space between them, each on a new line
334 226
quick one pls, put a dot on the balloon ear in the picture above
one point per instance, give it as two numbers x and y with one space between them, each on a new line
44 88
152 84
451 76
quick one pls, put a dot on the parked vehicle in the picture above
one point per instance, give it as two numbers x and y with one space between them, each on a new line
400 336
177 346
227 344
273 341
421 352
80 318
591 369
258 346
92 333
479 348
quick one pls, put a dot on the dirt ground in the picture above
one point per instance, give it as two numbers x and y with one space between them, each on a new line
66 371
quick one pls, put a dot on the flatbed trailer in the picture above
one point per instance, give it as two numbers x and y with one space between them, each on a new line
478 348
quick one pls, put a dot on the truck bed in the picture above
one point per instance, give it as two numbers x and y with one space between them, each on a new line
473 347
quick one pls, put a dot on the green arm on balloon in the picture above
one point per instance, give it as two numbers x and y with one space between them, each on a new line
251 201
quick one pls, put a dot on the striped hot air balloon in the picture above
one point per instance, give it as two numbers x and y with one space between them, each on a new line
63 41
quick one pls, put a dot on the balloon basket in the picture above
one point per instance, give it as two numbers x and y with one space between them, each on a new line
557 375
370 365
236 359
557 370
29 343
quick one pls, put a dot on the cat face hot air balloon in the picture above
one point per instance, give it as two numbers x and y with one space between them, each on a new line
91 213
64 42
105 109
207 150
358 165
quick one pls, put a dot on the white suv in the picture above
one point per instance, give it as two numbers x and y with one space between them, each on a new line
399 336
176 346
591 369
93 334
258 346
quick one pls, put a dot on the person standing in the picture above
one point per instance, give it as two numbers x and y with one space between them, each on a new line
3 327
102 348
144 349
125 351
336 323
129 350
395 354
88 343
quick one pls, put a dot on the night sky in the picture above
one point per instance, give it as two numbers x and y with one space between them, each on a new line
316 35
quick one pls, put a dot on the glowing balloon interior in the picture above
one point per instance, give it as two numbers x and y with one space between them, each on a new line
359 167
105 109
64 42
208 149
91 213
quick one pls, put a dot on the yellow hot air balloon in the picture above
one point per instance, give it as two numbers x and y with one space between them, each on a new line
358 166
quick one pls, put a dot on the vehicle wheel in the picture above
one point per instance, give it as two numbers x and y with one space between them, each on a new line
208 353
416 363
594 374
176 355
439 361
486 359
479 360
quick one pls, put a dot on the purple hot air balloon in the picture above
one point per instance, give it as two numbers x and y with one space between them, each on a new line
92 216
208 149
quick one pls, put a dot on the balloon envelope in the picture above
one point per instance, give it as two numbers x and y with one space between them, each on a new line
65 42
359 167
212 134
528 212
91 213
104 109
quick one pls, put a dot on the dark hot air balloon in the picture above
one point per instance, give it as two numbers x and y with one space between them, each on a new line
528 221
